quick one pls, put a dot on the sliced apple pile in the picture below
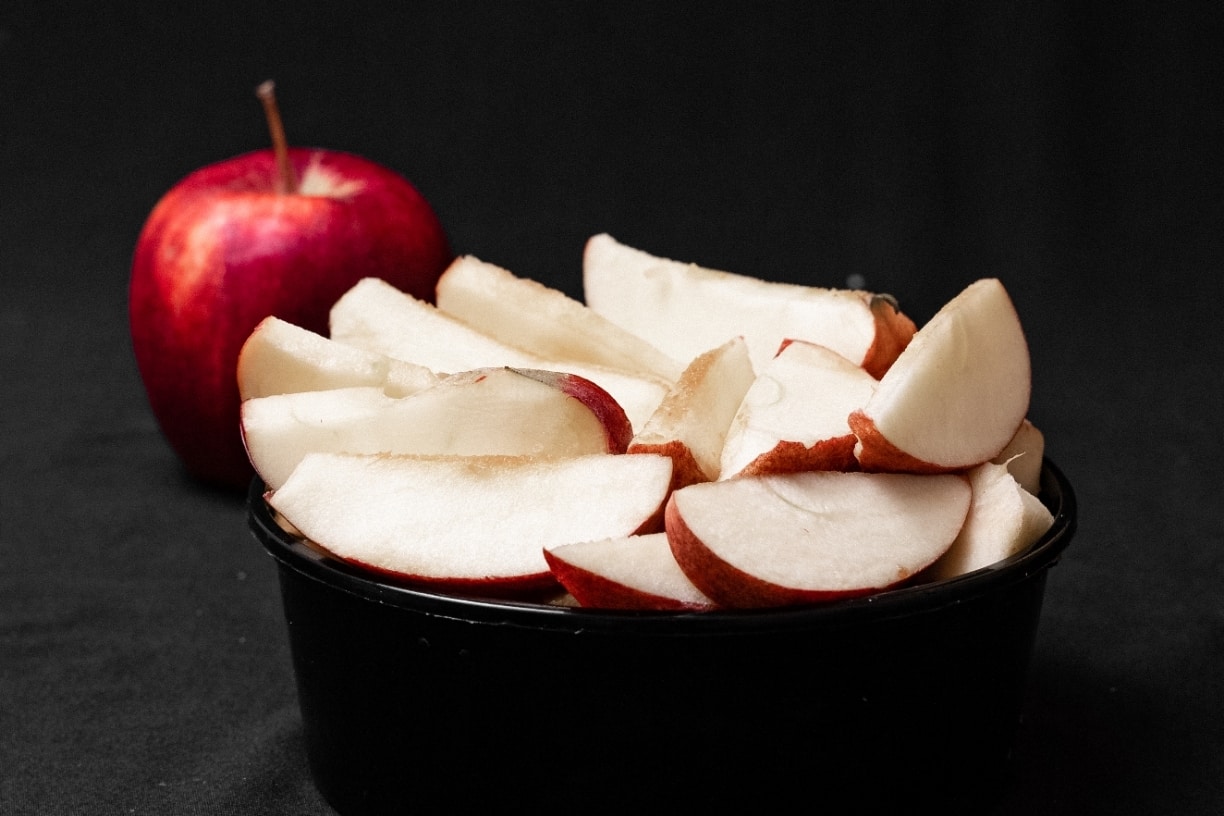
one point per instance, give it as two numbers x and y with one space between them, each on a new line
685 439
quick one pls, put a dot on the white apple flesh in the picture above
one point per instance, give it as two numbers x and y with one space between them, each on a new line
796 538
497 411
1023 456
469 524
957 394
281 358
376 316
631 572
684 309
690 425
793 417
1004 519
544 321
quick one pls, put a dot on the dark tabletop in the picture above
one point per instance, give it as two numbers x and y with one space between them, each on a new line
1073 150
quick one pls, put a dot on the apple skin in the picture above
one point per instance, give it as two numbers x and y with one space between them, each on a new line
602 404
633 572
223 249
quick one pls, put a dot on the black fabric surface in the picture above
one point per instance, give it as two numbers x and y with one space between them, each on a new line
1071 149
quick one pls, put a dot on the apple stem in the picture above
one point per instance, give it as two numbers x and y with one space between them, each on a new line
286 181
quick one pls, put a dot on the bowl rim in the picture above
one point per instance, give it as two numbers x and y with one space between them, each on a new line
315 564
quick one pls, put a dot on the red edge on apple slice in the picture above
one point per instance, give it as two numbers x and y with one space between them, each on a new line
893 332
878 455
529 587
733 588
788 456
602 404
685 470
597 592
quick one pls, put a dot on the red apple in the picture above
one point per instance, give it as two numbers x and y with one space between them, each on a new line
281 232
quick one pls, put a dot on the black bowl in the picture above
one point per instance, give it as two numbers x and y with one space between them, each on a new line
417 701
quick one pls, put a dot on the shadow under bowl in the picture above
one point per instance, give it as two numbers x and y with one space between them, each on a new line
416 701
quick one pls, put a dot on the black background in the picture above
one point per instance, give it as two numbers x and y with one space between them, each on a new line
1071 149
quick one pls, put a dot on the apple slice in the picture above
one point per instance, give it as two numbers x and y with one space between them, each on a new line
494 411
1023 456
1003 519
468 524
690 425
376 316
630 572
793 417
545 321
956 395
684 309
280 357
796 538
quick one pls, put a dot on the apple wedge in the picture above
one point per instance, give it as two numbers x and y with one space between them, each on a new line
525 313
375 316
468 524
793 416
1004 519
684 309
283 358
690 425
630 572
1023 455
957 394
494 411
796 538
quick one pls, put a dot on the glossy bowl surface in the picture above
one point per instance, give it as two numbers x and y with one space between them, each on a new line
417 701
